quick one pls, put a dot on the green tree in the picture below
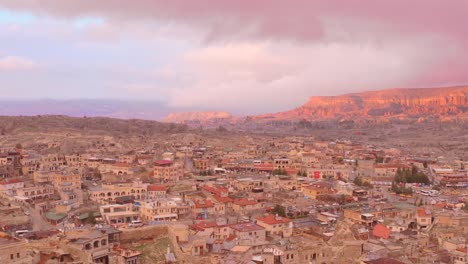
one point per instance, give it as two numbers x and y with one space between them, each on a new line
19 146
358 181
279 210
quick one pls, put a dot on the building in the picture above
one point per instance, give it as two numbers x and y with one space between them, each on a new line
276 225
119 214
314 190
107 193
204 208
248 233
167 171
10 186
43 176
200 164
162 210
359 217
423 218
156 191
281 164
244 206
93 244
37 192
13 251
69 178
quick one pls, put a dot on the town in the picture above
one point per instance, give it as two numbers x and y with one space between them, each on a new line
243 198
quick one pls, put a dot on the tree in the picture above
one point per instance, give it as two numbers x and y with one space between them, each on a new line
19 146
425 164
379 159
279 210
358 181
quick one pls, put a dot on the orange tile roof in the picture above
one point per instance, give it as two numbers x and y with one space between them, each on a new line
215 189
204 204
423 212
163 162
273 220
156 188
203 225
381 231
244 201
10 181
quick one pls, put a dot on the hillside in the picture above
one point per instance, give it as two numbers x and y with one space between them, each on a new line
201 116
58 123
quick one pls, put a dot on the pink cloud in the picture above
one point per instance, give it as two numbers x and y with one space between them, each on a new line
299 19
14 63
251 49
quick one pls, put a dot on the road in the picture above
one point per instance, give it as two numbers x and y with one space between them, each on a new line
38 222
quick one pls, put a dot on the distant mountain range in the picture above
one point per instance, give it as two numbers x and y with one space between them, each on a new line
86 107
417 103
375 105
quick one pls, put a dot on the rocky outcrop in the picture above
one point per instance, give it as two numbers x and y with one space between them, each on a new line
202 119
196 116
421 102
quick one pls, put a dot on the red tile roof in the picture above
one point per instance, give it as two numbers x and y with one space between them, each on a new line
215 189
264 166
273 220
384 261
10 181
156 188
423 212
381 231
245 201
163 162
204 204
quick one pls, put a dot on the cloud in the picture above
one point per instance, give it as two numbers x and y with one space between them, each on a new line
264 55
14 63
298 20
272 76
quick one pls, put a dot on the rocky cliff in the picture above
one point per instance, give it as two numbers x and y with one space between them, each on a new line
421 102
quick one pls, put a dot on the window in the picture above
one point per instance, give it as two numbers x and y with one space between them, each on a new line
12 256
17 255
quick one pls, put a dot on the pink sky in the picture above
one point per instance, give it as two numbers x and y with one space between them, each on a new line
250 54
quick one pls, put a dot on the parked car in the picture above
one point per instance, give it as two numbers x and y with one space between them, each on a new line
135 223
